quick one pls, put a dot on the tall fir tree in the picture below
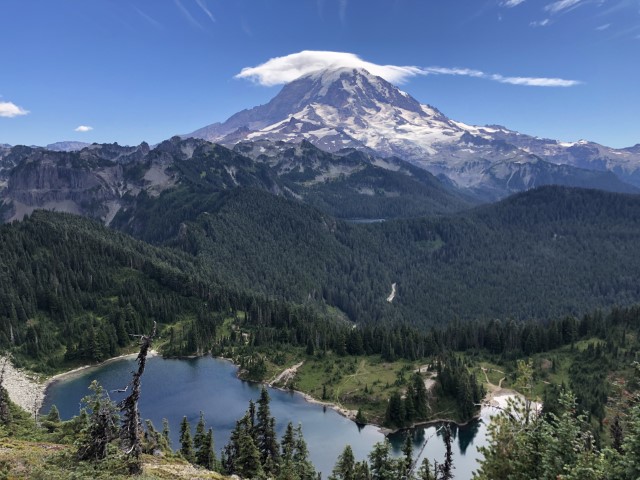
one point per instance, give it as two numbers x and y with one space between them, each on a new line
186 441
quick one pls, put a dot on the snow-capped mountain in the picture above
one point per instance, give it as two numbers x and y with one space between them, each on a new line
350 108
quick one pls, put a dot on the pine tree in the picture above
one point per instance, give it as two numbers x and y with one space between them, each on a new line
425 472
247 463
446 471
407 460
53 415
101 427
420 398
303 466
165 431
186 442
382 465
344 468
266 435
199 437
206 456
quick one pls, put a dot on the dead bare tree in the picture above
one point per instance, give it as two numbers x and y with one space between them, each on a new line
131 433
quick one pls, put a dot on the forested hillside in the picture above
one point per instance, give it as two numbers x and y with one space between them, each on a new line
576 249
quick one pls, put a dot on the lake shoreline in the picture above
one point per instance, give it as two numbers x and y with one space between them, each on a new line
28 389
42 387
351 414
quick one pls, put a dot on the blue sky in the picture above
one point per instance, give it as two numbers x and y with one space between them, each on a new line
134 70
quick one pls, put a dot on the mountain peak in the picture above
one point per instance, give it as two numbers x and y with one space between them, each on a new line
343 87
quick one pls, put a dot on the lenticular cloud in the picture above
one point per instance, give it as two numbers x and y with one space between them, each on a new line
285 69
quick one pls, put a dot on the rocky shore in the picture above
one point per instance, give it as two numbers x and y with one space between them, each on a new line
27 389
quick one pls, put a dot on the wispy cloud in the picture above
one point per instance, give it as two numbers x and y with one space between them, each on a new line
540 23
203 5
148 18
603 27
83 128
285 69
496 77
342 11
187 14
10 110
560 5
512 3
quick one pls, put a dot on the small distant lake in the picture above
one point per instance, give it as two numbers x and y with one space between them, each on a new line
364 220
173 388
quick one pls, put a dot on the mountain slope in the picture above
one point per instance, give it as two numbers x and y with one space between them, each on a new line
576 249
100 180
350 108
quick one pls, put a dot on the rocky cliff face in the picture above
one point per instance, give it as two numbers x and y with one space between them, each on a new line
101 181
62 181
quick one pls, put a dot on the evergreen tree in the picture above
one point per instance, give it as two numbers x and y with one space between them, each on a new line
206 455
303 466
446 469
186 441
361 471
53 415
360 417
425 472
199 437
407 460
101 427
395 414
266 435
344 468
382 465
420 396
52 421
165 431
247 464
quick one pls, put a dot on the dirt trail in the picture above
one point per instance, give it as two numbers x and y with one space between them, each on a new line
494 390
286 375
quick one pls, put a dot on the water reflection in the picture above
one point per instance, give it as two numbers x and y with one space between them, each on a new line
173 388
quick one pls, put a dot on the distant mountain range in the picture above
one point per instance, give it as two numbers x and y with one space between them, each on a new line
344 141
100 180
350 108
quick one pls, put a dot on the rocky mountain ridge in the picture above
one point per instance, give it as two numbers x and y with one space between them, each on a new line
350 108
101 180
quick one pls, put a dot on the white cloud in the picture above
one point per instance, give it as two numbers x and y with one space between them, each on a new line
466 72
512 3
536 81
286 69
83 128
603 27
202 4
561 5
540 23
10 110
496 77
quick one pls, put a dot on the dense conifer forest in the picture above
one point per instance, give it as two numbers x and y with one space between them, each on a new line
256 277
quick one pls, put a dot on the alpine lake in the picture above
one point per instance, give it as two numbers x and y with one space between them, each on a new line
173 388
